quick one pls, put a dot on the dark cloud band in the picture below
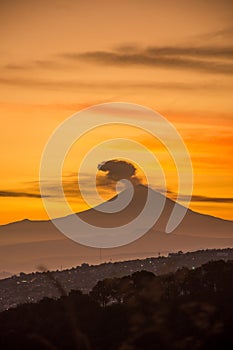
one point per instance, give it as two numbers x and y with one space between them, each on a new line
189 59
197 198
19 194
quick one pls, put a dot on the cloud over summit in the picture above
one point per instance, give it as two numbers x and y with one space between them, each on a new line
117 170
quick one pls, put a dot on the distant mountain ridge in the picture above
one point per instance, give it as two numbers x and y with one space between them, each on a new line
26 244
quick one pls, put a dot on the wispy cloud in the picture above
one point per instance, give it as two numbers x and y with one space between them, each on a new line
195 198
196 52
198 198
226 33
70 186
203 60
36 64
212 199
19 194
56 85
72 191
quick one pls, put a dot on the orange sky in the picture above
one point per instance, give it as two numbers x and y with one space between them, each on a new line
61 56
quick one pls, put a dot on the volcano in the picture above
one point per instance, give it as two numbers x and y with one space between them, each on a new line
26 244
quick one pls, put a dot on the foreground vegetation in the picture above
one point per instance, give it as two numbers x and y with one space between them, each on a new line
188 309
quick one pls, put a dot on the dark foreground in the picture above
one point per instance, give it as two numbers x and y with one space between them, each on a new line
188 309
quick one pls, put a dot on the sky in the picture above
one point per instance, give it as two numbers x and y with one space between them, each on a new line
59 57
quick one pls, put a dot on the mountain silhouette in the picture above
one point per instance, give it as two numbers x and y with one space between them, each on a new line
26 244
193 223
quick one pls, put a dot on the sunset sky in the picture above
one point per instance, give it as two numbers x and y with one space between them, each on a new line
61 56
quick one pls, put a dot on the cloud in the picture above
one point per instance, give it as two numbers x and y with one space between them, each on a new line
199 198
12 66
196 198
81 85
114 170
19 194
36 64
117 170
71 187
196 52
226 33
203 59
